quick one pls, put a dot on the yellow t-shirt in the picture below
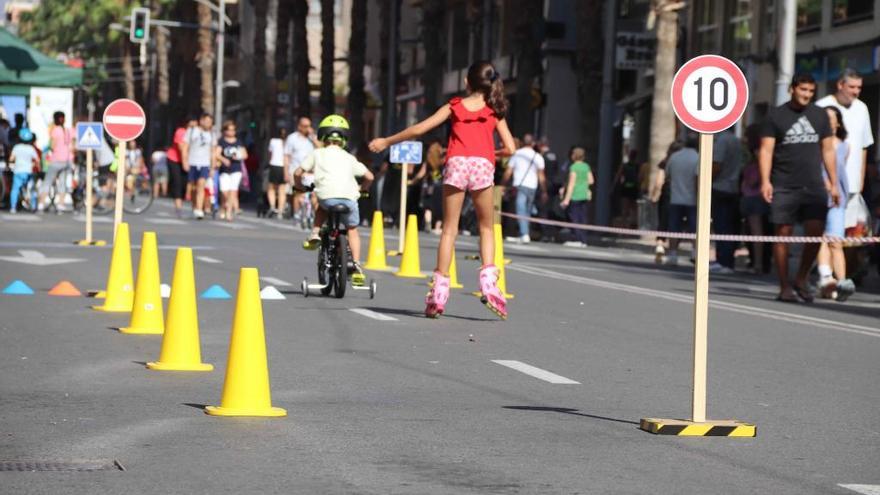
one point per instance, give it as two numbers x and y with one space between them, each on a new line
335 172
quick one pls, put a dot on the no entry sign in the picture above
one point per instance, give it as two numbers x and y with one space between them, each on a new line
709 94
124 119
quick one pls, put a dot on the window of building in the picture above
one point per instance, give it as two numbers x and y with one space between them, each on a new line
809 15
738 35
707 26
846 11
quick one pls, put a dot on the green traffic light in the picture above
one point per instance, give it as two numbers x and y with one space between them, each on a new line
139 33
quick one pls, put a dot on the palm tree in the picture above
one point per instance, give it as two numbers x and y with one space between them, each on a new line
433 12
327 100
205 58
301 64
357 46
663 124
588 67
527 46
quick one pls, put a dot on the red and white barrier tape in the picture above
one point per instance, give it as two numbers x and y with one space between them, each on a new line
683 235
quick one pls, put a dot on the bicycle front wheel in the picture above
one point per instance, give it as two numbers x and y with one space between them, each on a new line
138 194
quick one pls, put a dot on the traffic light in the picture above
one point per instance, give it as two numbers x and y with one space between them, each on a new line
139 30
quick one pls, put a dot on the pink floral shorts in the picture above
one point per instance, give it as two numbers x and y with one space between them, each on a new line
469 173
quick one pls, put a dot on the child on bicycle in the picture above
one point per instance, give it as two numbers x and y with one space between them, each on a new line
335 183
26 161
470 166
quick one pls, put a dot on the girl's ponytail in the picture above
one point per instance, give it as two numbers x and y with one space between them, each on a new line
483 77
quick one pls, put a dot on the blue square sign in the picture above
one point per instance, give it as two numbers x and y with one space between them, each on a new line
89 135
406 152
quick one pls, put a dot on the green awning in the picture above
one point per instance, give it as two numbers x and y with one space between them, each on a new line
23 66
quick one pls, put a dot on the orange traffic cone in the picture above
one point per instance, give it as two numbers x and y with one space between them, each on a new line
146 315
64 288
181 350
120 290
246 388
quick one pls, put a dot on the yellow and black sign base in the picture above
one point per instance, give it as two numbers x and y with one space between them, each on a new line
710 428
90 243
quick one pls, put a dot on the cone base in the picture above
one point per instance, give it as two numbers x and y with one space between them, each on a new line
141 330
113 309
97 294
159 366
507 296
90 243
410 275
272 412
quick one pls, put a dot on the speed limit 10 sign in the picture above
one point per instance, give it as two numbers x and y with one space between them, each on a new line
709 94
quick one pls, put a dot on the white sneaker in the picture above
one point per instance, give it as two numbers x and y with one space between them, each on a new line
525 239
513 239
198 214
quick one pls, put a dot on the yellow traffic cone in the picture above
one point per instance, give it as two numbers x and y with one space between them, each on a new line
499 262
120 290
453 274
181 350
376 256
409 264
246 388
146 315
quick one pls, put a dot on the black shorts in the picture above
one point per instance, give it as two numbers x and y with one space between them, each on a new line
276 174
791 206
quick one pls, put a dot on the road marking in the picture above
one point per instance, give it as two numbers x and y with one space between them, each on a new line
270 223
95 219
568 267
372 314
31 257
70 245
536 372
18 217
166 221
208 259
526 249
736 308
276 281
233 226
863 489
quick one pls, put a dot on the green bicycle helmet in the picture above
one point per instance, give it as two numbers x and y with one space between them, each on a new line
334 127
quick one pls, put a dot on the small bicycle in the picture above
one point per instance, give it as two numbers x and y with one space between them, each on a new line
334 259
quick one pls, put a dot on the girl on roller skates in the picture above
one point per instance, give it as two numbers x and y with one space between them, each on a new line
470 166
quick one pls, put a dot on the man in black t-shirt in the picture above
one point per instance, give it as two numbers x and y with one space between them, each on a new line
796 142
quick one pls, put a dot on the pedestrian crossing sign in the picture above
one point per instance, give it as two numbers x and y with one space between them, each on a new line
88 135
406 152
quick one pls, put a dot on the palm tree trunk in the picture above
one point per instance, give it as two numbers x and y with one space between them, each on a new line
163 87
205 58
527 45
328 29
357 47
588 67
128 70
663 124
301 64
433 39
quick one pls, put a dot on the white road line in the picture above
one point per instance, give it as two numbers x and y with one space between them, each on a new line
525 249
270 223
165 221
736 308
95 219
208 259
372 314
20 217
276 281
536 372
863 489
233 226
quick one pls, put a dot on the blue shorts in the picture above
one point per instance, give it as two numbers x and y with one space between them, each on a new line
195 172
353 219
835 222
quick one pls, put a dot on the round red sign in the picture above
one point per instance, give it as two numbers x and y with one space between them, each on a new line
124 119
709 94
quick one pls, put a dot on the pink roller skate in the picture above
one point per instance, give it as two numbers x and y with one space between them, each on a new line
492 296
435 301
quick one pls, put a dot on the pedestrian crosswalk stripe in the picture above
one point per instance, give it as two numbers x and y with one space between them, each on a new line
372 314
863 489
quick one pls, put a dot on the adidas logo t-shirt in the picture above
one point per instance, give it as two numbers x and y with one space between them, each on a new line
797 155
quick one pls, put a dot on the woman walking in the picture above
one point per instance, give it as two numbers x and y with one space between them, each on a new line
578 195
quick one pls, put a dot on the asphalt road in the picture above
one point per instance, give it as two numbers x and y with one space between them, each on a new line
389 402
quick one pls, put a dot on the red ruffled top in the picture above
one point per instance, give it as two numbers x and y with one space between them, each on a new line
472 132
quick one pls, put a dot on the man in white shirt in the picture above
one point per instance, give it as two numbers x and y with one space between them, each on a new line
197 153
526 166
297 147
857 121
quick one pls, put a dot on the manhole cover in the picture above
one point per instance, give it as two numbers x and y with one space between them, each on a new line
93 465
